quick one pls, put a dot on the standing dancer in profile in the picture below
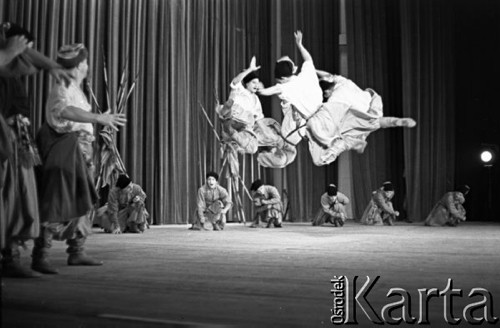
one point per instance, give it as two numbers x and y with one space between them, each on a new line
66 182
19 210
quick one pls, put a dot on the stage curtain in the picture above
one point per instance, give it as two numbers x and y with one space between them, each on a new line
428 75
402 49
184 54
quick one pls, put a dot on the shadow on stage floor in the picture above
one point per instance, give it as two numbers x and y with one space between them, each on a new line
241 277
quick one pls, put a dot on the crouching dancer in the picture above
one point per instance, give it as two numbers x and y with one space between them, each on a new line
268 205
213 204
125 211
380 210
332 208
449 210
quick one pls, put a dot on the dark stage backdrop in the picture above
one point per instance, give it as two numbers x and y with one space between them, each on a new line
185 53
403 50
478 125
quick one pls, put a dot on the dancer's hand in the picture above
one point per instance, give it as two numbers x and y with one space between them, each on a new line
298 38
112 120
61 75
396 213
253 64
115 229
17 44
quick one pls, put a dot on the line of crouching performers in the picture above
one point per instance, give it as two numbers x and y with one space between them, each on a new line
213 203
448 211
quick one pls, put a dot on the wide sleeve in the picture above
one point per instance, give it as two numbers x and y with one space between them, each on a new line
308 72
138 192
342 199
59 98
326 205
273 196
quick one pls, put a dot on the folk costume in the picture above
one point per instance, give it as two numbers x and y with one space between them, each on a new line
332 209
380 210
449 209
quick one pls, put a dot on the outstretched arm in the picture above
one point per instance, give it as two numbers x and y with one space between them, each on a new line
252 67
274 90
303 51
45 63
79 115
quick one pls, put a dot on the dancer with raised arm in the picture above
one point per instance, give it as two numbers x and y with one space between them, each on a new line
340 124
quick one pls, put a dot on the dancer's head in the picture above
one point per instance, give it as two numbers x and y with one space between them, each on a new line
74 57
256 185
388 188
284 68
327 87
464 189
123 181
212 179
251 82
331 190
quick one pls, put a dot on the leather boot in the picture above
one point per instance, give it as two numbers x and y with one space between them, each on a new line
132 228
40 256
76 252
271 221
11 263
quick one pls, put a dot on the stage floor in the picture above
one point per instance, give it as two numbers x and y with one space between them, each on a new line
241 277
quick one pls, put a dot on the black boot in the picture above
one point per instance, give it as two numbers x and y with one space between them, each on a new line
76 252
40 256
11 263
133 228
271 221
